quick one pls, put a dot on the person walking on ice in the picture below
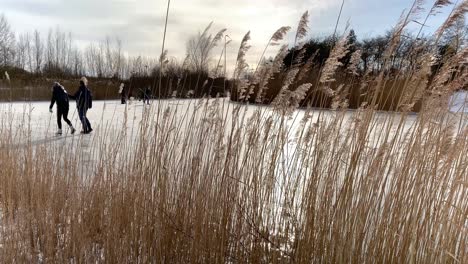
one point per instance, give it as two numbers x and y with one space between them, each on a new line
84 102
122 93
147 95
60 96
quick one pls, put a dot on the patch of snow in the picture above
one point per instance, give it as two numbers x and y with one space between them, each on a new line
459 102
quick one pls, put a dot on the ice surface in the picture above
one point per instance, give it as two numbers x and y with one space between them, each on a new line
110 118
459 102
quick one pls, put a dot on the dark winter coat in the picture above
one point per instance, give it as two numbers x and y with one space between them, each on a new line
123 94
148 92
59 96
83 97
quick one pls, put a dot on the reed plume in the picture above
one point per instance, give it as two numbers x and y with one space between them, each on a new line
457 13
354 62
438 5
333 62
270 71
274 40
279 35
302 28
281 98
218 37
241 64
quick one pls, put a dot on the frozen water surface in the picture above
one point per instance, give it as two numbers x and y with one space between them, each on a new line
32 124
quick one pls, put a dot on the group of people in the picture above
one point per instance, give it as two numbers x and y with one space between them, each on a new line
124 94
84 102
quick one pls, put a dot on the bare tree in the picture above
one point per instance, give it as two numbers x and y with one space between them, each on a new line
58 48
100 61
21 52
69 53
77 62
110 63
62 49
7 43
38 52
118 58
50 53
29 52
94 60
89 57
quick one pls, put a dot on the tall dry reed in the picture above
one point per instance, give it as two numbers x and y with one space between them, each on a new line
220 182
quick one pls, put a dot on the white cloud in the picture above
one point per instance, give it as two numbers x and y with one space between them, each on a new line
140 24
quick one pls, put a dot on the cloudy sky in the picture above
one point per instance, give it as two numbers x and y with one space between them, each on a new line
140 24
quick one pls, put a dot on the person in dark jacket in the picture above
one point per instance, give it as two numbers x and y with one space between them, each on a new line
147 95
83 103
123 93
60 96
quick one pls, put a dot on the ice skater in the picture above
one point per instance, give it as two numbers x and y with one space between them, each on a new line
147 95
122 93
60 96
84 101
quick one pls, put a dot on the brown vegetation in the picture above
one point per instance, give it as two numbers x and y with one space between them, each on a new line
218 183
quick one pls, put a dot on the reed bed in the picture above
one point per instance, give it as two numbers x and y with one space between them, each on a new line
221 182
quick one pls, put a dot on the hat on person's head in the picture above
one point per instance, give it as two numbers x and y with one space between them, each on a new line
84 81
56 84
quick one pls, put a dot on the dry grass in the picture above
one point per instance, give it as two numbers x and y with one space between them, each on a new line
219 183
200 187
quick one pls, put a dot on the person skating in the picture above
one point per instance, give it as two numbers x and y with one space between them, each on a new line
122 92
60 96
84 101
147 95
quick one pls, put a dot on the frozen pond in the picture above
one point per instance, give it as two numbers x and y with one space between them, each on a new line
32 124
281 162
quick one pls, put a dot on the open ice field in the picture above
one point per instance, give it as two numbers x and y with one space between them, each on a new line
121 129
32 125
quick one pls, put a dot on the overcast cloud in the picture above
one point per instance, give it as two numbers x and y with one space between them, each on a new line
140 24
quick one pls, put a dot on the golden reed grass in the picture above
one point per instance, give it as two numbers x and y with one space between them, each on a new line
220 182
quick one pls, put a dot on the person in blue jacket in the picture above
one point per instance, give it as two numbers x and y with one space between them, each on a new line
84 101
60 96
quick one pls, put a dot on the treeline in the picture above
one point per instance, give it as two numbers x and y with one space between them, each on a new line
57 55
33 61
371 51
190 85
347 69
